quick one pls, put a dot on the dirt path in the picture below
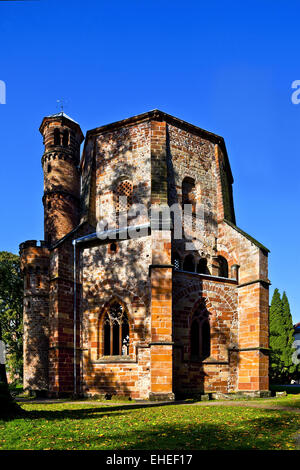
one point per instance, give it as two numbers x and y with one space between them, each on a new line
250 404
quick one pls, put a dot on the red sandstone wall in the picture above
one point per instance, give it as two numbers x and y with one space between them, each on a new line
35 267
253 306
155 157
193 156
122 276
219 372
123 153
61 178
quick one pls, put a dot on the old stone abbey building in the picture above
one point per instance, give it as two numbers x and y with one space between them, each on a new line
144 317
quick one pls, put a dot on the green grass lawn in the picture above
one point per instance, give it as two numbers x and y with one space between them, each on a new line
178 427
292 401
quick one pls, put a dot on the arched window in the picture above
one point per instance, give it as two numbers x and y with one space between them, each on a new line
176 261
223 266
123 196
188 191
189 263
200 336
116 331
112 248
38 281
202 266
188 204
66 138
56 137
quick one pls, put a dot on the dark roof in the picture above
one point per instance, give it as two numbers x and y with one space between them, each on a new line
62 114
65 119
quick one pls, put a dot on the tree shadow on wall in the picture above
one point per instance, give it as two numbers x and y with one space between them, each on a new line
125 279
36 357
122 274
206 218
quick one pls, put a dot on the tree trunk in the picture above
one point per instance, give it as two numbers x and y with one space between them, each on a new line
3 377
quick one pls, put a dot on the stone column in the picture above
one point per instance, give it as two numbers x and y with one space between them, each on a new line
253 336
161 345
235 272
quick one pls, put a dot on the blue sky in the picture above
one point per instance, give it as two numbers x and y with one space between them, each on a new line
224 66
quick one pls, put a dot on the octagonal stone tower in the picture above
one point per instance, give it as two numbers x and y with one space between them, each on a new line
148 316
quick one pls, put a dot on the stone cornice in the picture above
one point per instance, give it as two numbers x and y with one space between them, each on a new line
264 282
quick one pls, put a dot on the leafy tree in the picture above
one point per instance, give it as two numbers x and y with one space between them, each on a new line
8 407
281 339
11 310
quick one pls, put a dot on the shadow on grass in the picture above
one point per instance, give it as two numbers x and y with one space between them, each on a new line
88 413
267 430
262 433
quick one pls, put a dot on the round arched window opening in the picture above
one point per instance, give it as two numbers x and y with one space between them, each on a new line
200 337
113 248
188 191
189 264
65 138
223 267
56 137
202 266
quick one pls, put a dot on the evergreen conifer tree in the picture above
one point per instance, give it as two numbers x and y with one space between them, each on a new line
288 350
281 340
276 325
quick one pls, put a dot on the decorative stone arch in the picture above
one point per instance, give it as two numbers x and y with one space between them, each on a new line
204 298
119 179
122 300
132 299
204 304
231 260
192 289
122 293
196 287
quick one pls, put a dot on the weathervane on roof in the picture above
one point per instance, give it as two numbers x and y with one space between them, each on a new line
61 104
